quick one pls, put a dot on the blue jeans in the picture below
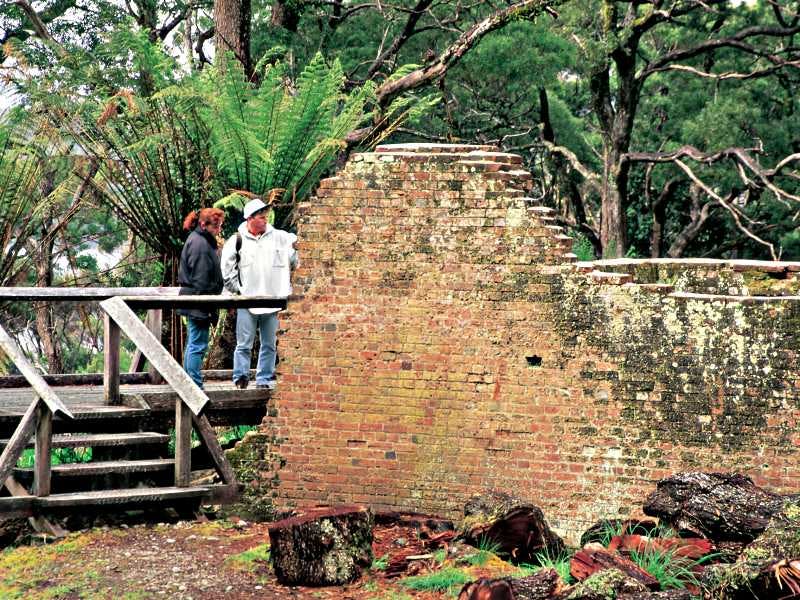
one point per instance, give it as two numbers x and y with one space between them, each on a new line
246 324
196 346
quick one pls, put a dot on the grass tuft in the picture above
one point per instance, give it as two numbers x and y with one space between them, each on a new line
440 581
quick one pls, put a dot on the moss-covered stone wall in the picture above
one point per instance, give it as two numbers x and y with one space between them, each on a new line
445 342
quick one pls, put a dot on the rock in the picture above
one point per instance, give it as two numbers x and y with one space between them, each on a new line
322 546
517 527
719 506
539 586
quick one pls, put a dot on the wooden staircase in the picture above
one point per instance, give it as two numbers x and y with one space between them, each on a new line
131 465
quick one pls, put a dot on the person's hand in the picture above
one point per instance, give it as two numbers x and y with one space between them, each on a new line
294 245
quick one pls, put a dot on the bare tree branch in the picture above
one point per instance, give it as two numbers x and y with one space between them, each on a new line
455 52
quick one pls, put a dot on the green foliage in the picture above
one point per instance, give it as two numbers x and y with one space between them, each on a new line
58 456
380 564
671 571
445 580
252 559
583 248
559 562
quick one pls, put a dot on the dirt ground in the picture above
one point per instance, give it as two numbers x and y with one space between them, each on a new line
199 560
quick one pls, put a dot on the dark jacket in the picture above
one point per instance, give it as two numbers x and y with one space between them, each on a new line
199 272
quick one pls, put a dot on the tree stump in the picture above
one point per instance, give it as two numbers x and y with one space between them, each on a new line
719 506
322 546
517 527
539 586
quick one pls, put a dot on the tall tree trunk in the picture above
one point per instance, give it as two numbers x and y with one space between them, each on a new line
286 14
659 209
232 31
44 323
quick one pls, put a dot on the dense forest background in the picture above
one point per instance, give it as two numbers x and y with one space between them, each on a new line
654 127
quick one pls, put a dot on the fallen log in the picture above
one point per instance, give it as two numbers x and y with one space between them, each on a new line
613 583
769 567
322 546
594 558
517 528
542 585
719 506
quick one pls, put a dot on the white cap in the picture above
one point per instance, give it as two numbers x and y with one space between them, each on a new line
252 207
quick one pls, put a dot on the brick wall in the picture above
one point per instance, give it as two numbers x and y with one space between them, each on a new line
445 342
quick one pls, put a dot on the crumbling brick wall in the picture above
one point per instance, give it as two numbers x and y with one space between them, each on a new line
445 342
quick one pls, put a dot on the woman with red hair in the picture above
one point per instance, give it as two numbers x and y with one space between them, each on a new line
199 274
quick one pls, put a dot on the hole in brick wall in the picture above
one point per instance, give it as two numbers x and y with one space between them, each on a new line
534 361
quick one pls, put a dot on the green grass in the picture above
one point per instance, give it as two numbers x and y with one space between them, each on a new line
545 560
671 571
440 581
380 564
59 456
250 560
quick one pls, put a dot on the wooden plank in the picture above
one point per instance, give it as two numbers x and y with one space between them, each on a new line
225 399
137 362
41 462
91 440
19 440
39 523
123 496
209 438
70 379
153 323
183 444
30 373
158 356
110 361
206 302
108 466
80 294
17 506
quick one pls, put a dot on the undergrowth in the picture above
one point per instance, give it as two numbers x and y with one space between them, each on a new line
446 580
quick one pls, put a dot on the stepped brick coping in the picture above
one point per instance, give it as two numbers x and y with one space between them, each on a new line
736 299
436 148
737 265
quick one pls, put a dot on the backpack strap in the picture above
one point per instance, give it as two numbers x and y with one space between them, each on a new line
238 257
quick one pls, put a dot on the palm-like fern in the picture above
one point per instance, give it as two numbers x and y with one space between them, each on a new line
274 135
20 170
153 166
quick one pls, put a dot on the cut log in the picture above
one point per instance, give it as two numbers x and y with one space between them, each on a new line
719 506
594 558
516 527
322 546
539 586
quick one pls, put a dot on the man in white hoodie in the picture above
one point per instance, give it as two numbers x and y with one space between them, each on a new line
257 261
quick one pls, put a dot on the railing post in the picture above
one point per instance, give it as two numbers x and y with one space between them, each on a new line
110 360
183 444
153 321
43 445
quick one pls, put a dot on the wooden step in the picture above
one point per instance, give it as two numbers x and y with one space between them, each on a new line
105 467
95 440
124 496
109 412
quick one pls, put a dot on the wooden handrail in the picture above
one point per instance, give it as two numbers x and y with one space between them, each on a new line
158 356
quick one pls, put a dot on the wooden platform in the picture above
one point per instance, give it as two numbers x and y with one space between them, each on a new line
228 405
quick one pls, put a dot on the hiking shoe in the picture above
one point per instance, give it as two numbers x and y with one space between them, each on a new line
270 385
241 383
